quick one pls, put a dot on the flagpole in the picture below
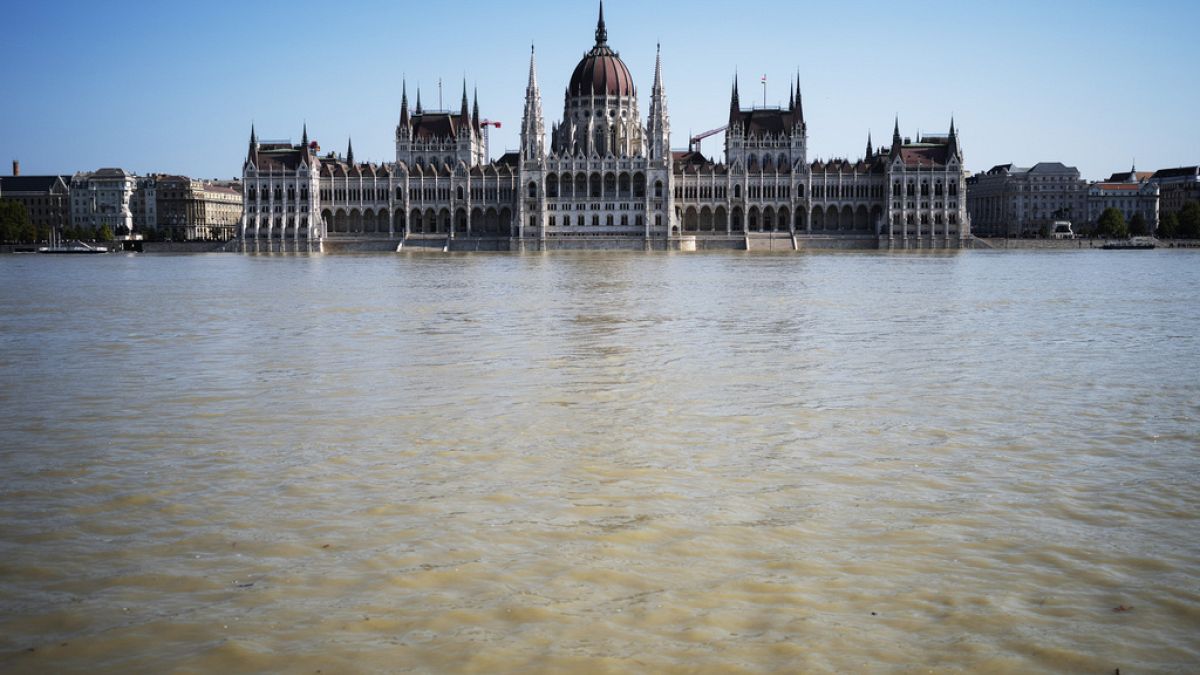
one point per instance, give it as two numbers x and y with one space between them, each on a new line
764 83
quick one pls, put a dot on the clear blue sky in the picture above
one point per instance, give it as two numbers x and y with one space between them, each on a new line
174 86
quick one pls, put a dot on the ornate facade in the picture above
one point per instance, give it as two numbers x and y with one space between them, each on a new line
603 178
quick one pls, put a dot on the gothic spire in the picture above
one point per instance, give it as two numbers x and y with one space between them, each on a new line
870 150
475 112
659 123
465 111
349 151
418 110
404 103
896 145
799 99
532 126
601 31
734 105
253 142
304 137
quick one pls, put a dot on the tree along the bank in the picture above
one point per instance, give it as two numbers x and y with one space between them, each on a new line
15 225
1137 226
1189 221
1112 224
104 233
1168 226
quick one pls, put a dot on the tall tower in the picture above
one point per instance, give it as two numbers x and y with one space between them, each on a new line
533 129
658 127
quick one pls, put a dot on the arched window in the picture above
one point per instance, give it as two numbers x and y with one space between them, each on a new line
532 190
459 192
658 188
737 191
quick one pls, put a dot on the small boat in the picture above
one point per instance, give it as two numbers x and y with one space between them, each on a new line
77 247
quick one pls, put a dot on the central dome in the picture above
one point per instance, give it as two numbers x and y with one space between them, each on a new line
601 72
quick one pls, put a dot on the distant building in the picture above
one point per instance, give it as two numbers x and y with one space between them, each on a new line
46 198
195 209
1012 201
1176 187
1129 192
104 197
605 177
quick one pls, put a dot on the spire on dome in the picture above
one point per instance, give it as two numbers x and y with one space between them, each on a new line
601 31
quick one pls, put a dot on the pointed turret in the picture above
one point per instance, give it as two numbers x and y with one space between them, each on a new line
465 110
870 150
404 104
533 128
418 111
799 100
349 151
659 125
304 136
734 104
475 112
952 143
601 31
896 137
791 99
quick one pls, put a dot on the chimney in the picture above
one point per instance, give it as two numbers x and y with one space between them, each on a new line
16 167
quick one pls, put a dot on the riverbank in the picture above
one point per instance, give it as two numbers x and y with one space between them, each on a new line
985 243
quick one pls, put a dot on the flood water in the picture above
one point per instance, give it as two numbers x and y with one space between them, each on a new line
601 462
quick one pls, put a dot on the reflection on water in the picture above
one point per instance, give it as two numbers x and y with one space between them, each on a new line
600 462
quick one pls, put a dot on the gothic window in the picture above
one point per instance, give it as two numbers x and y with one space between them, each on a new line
896 189
532 190
924 188
399 194
912 189
737 191
459 192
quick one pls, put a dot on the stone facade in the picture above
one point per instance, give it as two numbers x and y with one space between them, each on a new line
1011 201
602 178
1176 187
190 209
46 198
104 197
1129 192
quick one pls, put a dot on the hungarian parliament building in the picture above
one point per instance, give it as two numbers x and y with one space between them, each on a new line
602 179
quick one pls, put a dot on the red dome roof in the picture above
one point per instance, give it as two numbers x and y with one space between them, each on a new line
601 72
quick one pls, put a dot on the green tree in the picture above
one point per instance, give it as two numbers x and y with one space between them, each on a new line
1189 221
14 221
1168 225
1112 224
104 233
1137 225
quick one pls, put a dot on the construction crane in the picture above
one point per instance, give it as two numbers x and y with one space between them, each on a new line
694 141
484 125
